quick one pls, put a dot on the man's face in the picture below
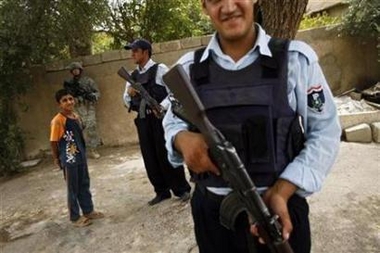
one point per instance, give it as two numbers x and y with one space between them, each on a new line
66 103
75 72
140 56
232 19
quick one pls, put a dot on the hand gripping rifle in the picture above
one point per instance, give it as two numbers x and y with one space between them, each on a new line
151 102
75 89
244 195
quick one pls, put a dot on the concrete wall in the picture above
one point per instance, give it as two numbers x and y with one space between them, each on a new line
345 61
337 10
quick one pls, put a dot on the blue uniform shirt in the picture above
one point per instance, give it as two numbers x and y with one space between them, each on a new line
308 94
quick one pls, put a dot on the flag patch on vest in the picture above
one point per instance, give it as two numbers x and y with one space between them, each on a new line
316 98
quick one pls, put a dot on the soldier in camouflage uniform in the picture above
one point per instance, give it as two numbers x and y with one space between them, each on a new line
86 94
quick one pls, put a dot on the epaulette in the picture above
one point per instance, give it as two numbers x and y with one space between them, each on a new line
304 49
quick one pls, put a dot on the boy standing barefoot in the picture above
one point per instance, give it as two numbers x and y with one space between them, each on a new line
69 153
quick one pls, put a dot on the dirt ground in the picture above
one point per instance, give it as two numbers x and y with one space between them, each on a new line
344 215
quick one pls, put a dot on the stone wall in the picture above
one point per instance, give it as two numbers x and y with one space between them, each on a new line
347 62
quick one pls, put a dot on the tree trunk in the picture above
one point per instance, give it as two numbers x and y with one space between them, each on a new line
281 18
80 43
80 47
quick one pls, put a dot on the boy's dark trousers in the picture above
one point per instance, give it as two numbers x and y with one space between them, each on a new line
78 190
212 237
160 172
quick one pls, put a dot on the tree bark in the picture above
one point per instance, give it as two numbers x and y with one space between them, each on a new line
281 18
80 41
80 47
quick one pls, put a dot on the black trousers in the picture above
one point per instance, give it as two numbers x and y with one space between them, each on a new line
78 190
160 172
212 237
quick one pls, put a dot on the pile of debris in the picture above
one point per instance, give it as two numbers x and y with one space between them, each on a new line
359 112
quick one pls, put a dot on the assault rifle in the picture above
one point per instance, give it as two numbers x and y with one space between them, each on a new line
151 102
244 195
73 87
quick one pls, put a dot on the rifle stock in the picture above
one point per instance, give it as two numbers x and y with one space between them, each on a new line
152 103
227 160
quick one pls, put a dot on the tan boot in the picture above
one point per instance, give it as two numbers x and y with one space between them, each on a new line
93 154
94 215
82 222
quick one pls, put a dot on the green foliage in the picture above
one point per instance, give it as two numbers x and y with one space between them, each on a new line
75 20
101 42
156 21
318 21
36 32
12 143
14 79
54 29
363 19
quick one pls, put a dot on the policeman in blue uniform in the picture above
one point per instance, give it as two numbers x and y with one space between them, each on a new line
269 98
161 174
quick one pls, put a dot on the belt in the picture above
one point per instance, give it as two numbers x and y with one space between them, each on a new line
208 194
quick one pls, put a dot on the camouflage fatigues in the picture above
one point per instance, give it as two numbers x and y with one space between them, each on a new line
85 107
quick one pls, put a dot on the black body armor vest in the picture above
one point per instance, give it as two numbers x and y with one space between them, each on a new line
250 107
148 81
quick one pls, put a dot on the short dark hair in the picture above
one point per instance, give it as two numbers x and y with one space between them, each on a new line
60 93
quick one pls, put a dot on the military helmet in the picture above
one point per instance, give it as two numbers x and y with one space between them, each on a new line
75 65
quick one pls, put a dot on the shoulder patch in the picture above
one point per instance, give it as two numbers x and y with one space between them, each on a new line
316 98
304 49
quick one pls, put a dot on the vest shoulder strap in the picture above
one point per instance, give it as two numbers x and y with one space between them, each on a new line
271 65
199 71
152 71
134 74
278 45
